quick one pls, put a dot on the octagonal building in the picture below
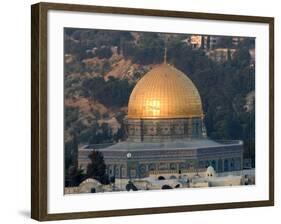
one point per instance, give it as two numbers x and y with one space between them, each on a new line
166 132
164 106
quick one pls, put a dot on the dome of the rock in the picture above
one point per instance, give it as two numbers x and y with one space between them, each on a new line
164 92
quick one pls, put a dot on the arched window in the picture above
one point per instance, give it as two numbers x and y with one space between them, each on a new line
173 166
232 165
214 164
151 167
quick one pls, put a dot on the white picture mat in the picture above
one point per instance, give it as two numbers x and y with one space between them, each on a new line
60 203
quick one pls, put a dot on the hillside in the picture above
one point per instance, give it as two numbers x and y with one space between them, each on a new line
102 68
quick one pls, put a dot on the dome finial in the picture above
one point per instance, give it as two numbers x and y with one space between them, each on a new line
165 55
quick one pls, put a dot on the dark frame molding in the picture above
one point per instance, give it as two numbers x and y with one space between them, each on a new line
39 110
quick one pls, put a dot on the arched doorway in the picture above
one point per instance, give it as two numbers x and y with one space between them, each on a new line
225 166
123 172
220 165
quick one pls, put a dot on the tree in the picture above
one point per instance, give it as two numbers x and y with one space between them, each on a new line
103 52
131 186
97 168
150 49
166 187
73 175
225 42
71 153
71 115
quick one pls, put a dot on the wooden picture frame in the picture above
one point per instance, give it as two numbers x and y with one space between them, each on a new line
39 109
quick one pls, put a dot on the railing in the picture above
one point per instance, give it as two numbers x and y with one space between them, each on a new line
156 172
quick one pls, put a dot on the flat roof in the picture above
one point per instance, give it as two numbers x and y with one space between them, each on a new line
171 145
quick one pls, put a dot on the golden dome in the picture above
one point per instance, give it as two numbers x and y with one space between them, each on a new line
164 92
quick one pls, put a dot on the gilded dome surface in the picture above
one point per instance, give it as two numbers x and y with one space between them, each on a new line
164 92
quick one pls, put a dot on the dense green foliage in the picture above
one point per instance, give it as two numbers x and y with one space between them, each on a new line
112 93
73 175
94 133
96 169
79 41
149 50
71 152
